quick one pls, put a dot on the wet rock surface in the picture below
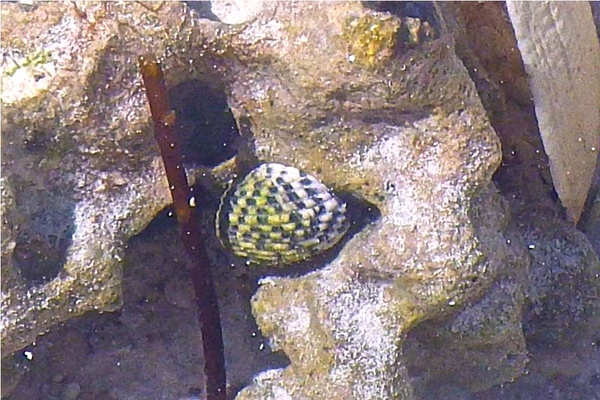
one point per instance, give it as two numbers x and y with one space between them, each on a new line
79 156
445 269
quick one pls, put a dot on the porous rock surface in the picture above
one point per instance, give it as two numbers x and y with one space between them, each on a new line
377 106
408 134
78 156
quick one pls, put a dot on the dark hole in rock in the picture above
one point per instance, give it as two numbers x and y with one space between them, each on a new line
205 124
424 10
163 220
41 247
203 8
360 212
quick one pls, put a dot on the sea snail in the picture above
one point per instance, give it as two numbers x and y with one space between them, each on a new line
279 215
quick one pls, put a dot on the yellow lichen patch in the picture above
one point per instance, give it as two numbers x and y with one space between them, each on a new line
371 38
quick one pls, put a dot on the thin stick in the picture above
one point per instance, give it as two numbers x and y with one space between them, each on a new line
183 202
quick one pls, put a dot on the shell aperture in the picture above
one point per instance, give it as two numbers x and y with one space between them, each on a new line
280 215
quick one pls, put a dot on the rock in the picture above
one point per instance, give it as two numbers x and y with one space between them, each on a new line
80 164
563 307
406 133
348 305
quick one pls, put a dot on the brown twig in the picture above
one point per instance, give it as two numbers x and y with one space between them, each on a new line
183 202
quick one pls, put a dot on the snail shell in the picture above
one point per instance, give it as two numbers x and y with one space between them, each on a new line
280 215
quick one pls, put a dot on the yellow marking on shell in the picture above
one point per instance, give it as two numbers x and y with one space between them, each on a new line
270 210
255 235
275 219
265 191
289 226
246 246
265 228
276 235
293 256
262 254
261 201
243 229
251 219
277 246
310 242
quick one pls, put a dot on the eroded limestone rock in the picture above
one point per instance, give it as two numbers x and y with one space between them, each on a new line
78 154
404 130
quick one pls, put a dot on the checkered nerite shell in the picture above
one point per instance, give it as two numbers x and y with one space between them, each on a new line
279 215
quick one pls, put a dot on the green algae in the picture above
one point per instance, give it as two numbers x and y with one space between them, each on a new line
32 60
